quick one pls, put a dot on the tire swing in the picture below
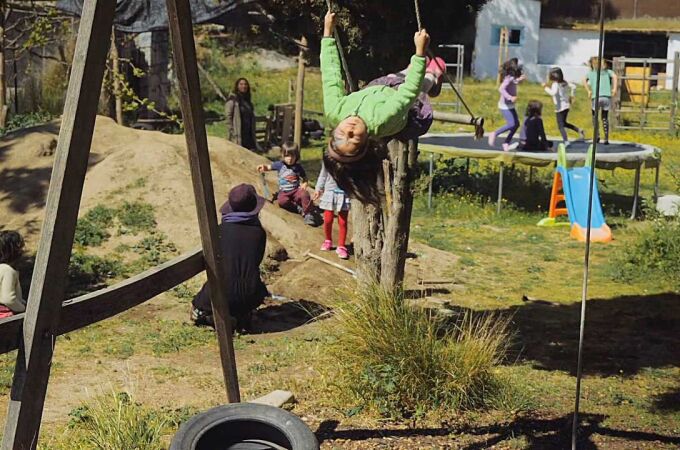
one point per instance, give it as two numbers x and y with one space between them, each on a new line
244 426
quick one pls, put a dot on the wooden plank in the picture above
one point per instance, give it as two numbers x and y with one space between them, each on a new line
94 307
63 200
184 55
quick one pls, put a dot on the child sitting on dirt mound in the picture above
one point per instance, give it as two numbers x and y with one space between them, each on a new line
242 241
333 200
11 298
377 111
293 195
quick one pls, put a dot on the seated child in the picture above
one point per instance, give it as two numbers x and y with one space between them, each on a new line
242 242
533 137
333 200
377 111
11 298
293 195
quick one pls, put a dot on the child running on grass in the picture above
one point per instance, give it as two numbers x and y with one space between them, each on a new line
293 195
532 138
11 298
608 85
512 76
562 94
333 201
360 118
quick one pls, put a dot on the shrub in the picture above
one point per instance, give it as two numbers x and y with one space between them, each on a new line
655 252
90 271
89 233
154 249
18 121
114 422
136 217
403 361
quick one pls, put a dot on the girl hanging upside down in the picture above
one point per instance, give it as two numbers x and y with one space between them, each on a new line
389 106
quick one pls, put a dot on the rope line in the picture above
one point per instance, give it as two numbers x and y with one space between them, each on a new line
343 61
586 262
417 8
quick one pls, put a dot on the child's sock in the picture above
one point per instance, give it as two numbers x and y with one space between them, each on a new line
328 224
342 223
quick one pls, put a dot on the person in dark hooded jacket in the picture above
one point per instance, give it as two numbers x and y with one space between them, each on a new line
242 241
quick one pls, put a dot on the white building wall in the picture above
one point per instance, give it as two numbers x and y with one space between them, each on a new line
673 46
568 49
524 14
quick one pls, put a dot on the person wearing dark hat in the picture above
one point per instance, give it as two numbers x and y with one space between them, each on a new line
242 241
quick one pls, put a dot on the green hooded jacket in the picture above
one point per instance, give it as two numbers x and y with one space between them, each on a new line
382 108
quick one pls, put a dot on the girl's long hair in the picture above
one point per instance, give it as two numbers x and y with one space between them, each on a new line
359 179
511 68
246 95
11 245
593 63
557 75
534 109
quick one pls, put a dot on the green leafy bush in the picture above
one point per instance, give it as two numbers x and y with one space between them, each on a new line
136 217
655 252
403 361
18 121
86 271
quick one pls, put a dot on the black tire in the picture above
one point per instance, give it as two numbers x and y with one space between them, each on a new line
244 426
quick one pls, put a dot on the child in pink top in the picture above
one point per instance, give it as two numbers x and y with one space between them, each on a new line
512 76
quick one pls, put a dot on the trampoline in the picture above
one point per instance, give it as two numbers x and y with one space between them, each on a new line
618 154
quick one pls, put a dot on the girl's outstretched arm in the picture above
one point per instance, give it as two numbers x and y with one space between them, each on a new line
331 70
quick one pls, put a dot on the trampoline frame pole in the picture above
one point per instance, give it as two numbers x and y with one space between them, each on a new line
500 188
429 188
636 191
656 182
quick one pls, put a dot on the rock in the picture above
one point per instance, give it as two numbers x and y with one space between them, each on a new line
668 205
277 398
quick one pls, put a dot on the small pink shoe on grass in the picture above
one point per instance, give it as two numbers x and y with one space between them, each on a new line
342 253
327 245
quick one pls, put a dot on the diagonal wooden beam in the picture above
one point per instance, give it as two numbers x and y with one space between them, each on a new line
32 370
184 55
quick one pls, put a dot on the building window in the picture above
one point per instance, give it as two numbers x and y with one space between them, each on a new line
515 35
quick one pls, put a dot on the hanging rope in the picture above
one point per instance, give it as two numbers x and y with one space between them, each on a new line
417 8
586 262
478 122
345 66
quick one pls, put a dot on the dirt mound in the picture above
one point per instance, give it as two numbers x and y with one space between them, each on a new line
157 164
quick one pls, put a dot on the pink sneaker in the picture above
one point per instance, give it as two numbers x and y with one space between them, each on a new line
342 253
436 66
492 139
506 147
327 245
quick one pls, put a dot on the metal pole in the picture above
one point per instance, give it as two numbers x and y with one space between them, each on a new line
676 80
636 191
656 183
429 190
500 188
586 259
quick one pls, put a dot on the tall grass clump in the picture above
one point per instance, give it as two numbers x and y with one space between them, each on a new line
654 253
113 422
403 361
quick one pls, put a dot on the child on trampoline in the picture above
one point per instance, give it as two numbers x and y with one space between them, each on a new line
608 84
293 195
512 76
11 297
532 137
333 201
382 109
562 94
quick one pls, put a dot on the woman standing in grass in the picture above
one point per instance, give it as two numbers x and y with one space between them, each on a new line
11 298
562 94
241 116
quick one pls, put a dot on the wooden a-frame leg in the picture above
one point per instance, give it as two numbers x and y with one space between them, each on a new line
184 54
32 370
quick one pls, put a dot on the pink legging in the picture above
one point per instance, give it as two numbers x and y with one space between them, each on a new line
328 226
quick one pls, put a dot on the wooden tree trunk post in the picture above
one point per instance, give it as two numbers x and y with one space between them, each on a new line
3 81
675 84
116 79
32 370
381 237
184 53
300 93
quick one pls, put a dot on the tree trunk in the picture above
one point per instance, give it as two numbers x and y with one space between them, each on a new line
381 234
116 79
299 93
